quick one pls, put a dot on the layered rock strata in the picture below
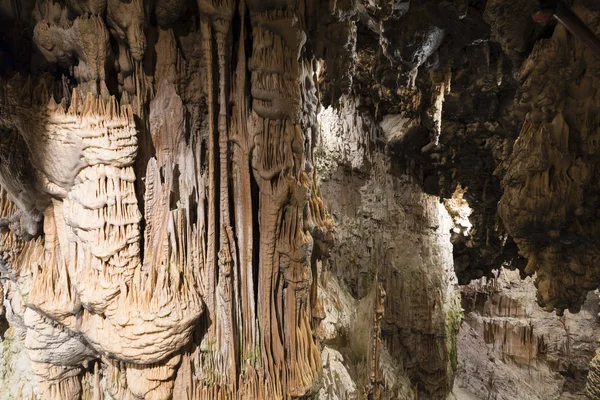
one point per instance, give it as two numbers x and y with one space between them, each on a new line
509 347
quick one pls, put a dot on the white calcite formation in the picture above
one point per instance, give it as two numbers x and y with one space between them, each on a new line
275 199
87 293
115 253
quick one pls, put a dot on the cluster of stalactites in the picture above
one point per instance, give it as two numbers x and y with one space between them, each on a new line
548 205
78 34
271 131
82 288
285 189
95 288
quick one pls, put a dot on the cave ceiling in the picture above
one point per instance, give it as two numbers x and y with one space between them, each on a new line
157 169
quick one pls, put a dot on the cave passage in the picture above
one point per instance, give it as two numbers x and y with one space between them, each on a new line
269 199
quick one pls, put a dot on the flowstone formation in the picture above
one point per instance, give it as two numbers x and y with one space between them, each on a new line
276 199
550 194
164 245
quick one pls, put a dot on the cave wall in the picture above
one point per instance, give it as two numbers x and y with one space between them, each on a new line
390 233
387 293
163 229
509 347
205 199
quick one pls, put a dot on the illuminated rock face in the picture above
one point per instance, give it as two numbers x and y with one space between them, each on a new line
241 199
505 335
173 261
86 290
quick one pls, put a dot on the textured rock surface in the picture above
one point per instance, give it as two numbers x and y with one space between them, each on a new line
390 232
18 381
174 174
166 243
549 205
511 348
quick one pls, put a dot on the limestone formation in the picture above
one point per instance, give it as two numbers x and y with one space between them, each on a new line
506 335
129 274
548 205
271 199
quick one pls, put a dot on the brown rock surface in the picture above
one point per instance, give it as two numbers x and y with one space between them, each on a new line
275 199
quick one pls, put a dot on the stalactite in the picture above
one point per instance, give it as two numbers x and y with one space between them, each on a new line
227 219
242 144
211 267
546 204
